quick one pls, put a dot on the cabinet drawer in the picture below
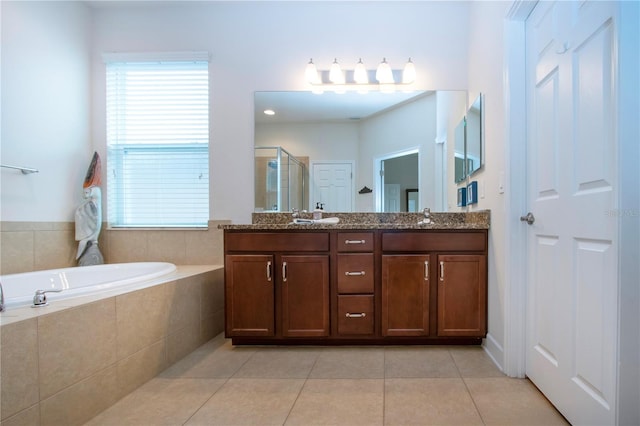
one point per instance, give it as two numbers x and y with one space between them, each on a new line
433 241
277 241
355 241
355 315
355 273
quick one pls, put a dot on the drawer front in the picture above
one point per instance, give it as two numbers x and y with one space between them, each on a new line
355 315
355 273
355 241
276 241
434 241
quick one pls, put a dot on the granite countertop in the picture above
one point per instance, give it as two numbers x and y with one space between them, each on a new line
283 221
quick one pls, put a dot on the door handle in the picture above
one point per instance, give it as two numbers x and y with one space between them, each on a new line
529 218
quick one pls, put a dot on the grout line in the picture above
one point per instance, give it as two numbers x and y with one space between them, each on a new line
315 361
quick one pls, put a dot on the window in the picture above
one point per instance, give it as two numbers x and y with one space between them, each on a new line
157 143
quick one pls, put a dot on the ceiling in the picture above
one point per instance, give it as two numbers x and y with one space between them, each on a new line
329 106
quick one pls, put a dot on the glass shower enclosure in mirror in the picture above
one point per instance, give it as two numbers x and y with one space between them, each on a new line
280 180
362 131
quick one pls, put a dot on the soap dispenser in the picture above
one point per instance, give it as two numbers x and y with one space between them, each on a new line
317 213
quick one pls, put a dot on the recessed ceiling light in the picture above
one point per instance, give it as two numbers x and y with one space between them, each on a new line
269 112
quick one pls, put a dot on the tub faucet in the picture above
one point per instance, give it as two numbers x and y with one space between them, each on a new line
40 298
1 298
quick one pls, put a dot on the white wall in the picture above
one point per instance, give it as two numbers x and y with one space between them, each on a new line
486 65
45 108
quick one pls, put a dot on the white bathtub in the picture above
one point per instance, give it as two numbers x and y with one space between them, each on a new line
19 289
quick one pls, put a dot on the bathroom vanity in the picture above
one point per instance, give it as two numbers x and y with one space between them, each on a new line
371 279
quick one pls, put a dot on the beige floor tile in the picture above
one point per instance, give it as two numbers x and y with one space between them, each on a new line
249 402
507 401
349 363
419 362
159 402
430 401
472 361
279 363
339 401
215 359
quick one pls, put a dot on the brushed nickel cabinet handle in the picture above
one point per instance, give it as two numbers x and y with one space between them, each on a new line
284 271
354 274
356 315
426 270
354 241
441 271
269 271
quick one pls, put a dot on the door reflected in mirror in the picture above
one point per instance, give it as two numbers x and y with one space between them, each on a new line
360 129
474 149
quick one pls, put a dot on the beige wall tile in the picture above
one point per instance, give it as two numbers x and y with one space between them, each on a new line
79 403
167 246
211 326
16 252
127 246
184 303
141 319
182 342
141 367
212 292
204 247
75 343
27 417
19 366
54 249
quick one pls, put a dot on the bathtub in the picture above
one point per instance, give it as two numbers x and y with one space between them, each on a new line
19 289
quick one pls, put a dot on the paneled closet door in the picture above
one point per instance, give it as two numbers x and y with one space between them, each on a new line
572 190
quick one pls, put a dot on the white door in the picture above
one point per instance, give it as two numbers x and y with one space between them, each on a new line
391 197
571 185
332 185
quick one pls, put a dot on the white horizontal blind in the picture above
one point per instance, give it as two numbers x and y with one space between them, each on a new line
158 144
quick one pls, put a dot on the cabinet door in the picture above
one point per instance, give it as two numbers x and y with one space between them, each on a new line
405 295
249 295
305 295
462 295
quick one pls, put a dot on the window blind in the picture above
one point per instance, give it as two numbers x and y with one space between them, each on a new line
158 143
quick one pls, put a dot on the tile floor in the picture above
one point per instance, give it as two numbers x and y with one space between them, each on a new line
219 384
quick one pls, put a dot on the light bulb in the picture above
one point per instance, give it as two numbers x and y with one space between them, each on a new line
335 73
311 73
360 73
384 75
409 73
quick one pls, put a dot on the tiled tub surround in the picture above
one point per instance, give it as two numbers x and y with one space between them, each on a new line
67 362
35 246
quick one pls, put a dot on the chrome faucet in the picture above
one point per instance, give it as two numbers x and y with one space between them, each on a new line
427 216
40 298
295 213
1 298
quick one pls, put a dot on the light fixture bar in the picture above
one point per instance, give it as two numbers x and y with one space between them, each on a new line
360 78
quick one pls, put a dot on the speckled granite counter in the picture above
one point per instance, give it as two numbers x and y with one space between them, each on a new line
283 221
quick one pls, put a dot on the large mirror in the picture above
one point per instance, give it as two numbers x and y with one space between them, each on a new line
355 152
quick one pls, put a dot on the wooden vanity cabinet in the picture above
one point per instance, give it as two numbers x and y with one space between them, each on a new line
276 284
356 287
434 283
355 283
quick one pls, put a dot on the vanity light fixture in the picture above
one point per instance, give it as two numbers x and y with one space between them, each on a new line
384 75
359 79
